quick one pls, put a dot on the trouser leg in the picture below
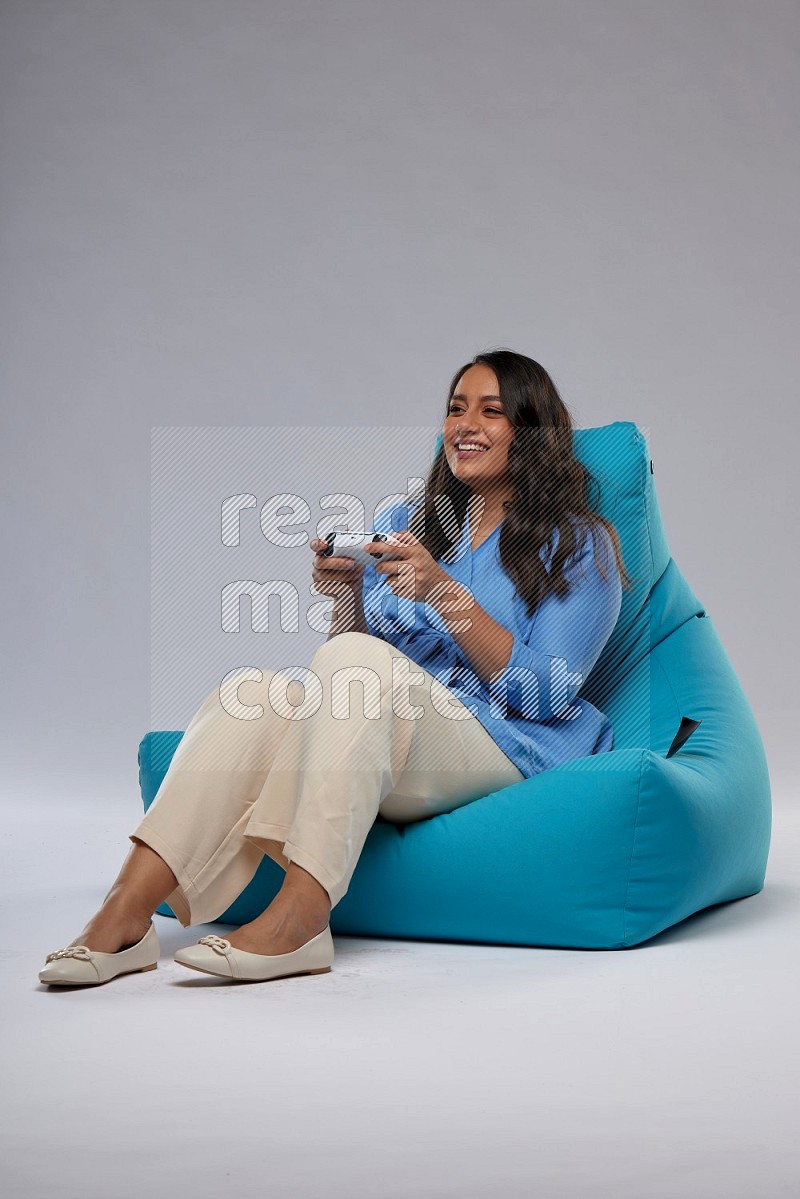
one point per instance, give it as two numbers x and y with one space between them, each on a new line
195 821
399 752
312 776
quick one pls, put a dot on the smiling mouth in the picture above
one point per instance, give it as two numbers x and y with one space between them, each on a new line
469 449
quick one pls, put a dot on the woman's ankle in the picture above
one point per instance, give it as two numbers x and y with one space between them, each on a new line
123 906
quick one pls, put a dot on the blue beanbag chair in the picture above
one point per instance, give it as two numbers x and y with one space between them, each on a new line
602 852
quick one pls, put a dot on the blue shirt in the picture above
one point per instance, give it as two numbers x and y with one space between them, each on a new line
530 710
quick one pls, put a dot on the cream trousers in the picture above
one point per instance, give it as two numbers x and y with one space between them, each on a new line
299 770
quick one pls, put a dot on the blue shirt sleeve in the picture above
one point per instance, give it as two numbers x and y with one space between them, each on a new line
552 658
403 624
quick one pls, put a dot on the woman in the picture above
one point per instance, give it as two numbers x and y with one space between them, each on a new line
470 644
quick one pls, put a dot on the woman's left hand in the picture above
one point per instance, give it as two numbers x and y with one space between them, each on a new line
416 583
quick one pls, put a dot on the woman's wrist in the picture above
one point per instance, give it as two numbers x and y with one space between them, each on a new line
347 615
451 599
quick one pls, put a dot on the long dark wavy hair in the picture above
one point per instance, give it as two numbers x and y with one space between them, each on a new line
552 488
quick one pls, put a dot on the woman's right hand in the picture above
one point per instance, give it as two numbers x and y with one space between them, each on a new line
328 574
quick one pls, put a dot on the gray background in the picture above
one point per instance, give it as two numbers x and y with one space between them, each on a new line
306 213
247 215
204 624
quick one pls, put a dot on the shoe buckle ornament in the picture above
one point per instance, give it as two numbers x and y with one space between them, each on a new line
72 951
217 943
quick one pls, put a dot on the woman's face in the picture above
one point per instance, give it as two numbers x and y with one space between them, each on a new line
476 417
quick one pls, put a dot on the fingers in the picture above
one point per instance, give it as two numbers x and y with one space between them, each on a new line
332 562
318 545
405 535
396 549
339 564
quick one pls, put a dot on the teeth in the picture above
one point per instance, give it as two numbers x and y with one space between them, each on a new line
469 445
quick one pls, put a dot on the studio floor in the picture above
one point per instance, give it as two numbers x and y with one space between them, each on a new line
434 1069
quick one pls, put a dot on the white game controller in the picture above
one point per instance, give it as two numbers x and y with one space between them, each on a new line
351 544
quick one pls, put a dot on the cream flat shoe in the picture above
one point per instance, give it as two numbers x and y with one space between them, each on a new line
76 964
216 955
